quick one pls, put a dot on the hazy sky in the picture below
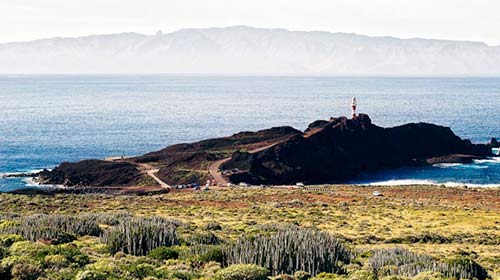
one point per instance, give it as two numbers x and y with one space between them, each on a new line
477 20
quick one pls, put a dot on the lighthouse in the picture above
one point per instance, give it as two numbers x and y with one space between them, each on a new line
353 107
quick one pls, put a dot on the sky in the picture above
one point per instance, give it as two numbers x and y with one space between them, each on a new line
471 20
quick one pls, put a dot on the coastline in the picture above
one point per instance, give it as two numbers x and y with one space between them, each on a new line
32 184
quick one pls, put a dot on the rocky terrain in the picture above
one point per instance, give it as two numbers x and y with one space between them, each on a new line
177 164
342 148
327 151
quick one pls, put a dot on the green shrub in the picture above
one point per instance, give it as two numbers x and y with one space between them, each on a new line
25 271
182 275
28 249
7 224
420 238
163 253
291 250
3 252
72 254
62 238
209 270
91 275
329 276
302 275
56 261
213 254
394 277
242 272
213 226
10 261
8 239
66 273
428 275
141 270
362 275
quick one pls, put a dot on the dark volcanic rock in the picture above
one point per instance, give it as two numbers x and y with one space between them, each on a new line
344 147
177 162
315 125
181 151
454 158
494 143
92 173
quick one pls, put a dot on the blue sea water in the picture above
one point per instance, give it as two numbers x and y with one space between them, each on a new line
45 120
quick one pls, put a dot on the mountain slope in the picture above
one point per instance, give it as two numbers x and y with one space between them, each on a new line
246 50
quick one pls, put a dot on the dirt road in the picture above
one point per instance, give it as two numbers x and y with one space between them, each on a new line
214 168
143 167
151 171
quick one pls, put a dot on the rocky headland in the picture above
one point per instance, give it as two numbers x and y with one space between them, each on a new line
327 151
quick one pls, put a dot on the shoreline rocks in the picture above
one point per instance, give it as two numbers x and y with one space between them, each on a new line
92 172
454 158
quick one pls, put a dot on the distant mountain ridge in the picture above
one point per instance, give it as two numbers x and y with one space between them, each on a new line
247 50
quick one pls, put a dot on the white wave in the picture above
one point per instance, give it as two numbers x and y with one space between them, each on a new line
407 182
402 182
30 182
466 165
488 160
10 174
446 165
472 166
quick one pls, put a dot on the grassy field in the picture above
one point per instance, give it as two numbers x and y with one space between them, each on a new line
444 223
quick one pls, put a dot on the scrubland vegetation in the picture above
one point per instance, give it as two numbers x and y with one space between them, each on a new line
336 232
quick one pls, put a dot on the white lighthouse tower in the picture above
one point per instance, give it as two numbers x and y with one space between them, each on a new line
353 107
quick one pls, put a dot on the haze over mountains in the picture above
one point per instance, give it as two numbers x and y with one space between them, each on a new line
247 50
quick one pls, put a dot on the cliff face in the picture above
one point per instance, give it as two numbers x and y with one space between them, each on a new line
342 148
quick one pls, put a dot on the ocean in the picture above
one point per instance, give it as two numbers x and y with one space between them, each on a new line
45 120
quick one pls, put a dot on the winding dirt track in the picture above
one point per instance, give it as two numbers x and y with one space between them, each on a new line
151 171
214 168
144 167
